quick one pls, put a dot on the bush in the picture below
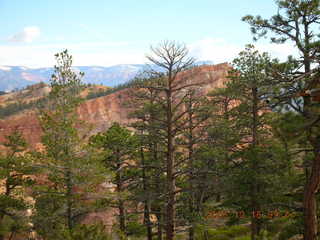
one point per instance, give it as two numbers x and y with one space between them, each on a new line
136 229
87 232
243 238
225 233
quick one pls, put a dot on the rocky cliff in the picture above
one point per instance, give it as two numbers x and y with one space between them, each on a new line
101 112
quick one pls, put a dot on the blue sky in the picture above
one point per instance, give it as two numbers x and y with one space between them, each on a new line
102 32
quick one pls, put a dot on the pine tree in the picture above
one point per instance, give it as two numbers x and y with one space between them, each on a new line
296 21
16 169
172 58
149 122
171 122
120 148
70 175
192 184
251 175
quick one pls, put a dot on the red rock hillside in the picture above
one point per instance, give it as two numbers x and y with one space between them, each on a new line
103 111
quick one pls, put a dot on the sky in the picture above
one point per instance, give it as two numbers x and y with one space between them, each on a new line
109 32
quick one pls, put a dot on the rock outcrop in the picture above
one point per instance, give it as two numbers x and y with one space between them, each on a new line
103 111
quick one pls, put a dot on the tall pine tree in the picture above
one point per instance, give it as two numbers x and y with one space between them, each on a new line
297 21
70 175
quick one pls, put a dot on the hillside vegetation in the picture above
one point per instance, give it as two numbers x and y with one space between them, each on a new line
236 162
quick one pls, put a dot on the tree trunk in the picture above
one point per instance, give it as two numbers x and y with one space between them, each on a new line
121 207
191 232
157 209
191 211
159 224
122 217
122 221
255 223
191 229
206 234
191 167
11 236
309 202
253 227
170 174
171 197
2 214
1 219
313 177
147 221
69 200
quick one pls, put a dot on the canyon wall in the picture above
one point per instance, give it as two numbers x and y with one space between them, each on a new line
101 112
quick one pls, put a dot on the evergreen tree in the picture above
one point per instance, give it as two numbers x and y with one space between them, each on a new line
15 177
120 147
253 180
193 183
172 58
70 176
297 21
149 122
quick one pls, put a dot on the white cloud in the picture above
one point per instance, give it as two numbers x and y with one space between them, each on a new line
219 50
110 53
5 68
28 35
214 49
95 53
281 51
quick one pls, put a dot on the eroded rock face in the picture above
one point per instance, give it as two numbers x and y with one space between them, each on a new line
101 112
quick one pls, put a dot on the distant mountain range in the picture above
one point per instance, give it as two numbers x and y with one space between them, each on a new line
17 77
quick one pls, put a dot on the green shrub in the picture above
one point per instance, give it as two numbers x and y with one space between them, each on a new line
275 226
233 220
289 231
87 232
180 237
238 230
11 227
292 227
225 233
243 238
136 229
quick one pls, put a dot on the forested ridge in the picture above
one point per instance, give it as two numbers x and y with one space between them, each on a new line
241 162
